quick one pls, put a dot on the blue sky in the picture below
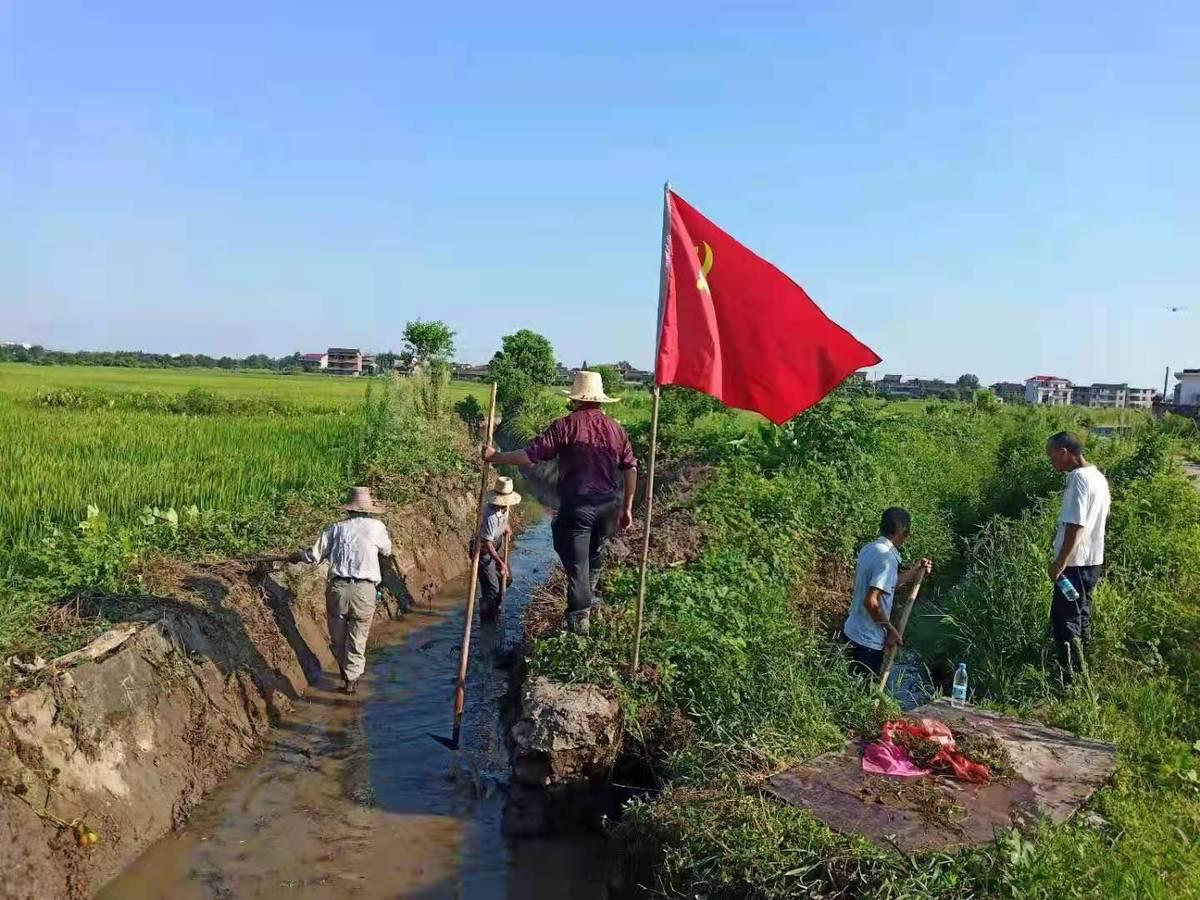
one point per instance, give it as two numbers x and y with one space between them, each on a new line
1004 191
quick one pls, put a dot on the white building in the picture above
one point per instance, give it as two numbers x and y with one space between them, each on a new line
1187 392
1048 390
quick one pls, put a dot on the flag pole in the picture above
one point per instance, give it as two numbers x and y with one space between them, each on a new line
662 290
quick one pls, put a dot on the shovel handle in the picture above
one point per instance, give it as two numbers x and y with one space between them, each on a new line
889 656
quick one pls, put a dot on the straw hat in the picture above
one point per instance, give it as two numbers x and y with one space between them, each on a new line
360 501
589 388
502 494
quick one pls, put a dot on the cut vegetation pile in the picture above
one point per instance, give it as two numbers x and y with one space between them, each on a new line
731 649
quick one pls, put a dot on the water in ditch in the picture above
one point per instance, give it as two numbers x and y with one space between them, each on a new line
353 799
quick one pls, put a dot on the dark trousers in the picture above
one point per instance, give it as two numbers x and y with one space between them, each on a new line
489 587
863 660
580 531
1070 620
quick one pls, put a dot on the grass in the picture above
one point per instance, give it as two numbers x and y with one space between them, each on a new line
734 646
185 462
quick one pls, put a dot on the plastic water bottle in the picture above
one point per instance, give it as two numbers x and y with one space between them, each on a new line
1068 589
958 697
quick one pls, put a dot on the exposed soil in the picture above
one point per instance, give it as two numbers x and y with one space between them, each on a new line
131 742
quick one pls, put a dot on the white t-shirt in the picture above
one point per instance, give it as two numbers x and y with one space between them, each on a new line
352 548
878 567
495 521
1086 502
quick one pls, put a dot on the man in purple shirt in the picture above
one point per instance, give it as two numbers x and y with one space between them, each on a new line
597 477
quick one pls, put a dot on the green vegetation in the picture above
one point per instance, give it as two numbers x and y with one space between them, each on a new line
428 341
742 677
105 468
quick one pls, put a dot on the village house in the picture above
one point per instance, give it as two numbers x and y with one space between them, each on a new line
1048 390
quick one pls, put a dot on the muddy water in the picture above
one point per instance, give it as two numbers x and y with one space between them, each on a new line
353 799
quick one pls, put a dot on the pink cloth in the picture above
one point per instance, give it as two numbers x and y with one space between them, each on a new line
890 759
886 757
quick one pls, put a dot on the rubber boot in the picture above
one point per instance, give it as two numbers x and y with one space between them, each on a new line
579 622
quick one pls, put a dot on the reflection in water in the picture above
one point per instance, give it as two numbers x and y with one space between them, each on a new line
354 799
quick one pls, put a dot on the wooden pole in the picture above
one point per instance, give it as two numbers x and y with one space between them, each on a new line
662 297
641 601
889 658
504 577
460 690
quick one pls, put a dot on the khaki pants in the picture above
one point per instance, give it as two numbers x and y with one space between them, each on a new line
349 608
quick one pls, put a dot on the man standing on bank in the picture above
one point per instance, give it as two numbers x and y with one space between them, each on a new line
597 477
493 570
1078 548
868 630
353 547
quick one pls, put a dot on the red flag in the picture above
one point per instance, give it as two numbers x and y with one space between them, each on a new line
734 326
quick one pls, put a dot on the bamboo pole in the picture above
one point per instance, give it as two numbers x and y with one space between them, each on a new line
889 657
641 601
662 297
460 690
504 577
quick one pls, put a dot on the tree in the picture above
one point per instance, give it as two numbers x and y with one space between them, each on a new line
471 412
968 382
613 382
429 341
521 367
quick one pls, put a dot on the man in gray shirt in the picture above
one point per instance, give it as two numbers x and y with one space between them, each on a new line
868 630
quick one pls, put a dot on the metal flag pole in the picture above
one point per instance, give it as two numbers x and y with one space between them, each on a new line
460 689
662 290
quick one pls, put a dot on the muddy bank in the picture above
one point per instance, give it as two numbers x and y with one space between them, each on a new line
130 742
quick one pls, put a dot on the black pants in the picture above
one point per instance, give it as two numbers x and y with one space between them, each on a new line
864 660
489 587
1070 620
580 531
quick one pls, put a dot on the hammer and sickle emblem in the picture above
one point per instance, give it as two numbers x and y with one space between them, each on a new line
704 251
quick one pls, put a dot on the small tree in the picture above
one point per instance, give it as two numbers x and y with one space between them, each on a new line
613 382
471 412
521 368
428 341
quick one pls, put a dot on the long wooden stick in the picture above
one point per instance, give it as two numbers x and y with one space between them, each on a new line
889 657
664 264
504 577
641 601
460 690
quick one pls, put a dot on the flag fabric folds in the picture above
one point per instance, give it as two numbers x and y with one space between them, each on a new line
733 326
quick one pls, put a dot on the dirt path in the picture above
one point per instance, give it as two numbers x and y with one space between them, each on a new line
353 799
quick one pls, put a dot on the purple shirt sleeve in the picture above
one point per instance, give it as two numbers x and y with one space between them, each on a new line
545 446
627 460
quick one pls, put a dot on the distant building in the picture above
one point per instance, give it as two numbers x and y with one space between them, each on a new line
464 372
347 361
314 361
897 388
1048 390
1009 391
1112 396
1187 392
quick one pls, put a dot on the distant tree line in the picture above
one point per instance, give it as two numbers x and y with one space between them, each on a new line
39 355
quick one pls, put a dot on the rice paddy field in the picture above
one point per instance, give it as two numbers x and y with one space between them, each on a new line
86 445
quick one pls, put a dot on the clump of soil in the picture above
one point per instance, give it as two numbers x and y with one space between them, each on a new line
924 795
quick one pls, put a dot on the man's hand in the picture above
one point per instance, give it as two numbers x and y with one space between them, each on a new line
486 453
1055 570
626 518
502 567
892 639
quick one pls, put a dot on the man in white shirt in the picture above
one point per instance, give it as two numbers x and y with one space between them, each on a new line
496 526
868 630
1078 546
352 547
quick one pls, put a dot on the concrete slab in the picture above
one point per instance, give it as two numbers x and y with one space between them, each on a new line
1055 773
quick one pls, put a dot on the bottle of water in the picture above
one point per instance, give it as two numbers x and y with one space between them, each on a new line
958 697
1068 589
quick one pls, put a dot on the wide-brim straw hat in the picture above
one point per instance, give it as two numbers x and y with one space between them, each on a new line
502 493
360 501
589 388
